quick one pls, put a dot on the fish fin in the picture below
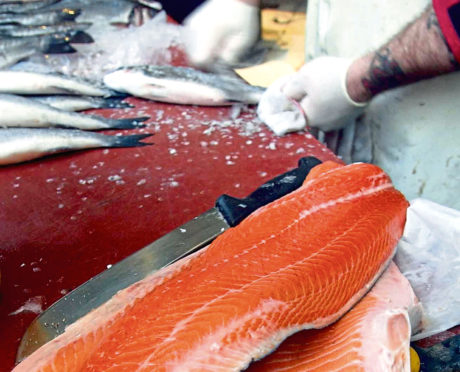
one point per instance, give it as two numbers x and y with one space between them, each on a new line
59 47
129 123
70 14
62 90
115 102
116 94
132 140
81 37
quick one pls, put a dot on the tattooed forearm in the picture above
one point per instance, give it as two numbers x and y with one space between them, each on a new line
384 73
417 52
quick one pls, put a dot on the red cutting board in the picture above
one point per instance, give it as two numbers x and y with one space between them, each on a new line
63 219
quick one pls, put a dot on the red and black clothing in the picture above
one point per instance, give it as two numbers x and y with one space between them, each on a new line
448 14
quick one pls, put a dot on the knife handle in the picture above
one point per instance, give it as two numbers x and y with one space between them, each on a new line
235 210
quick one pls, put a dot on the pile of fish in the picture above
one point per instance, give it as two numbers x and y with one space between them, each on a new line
28 27
31 100
119 13
300 263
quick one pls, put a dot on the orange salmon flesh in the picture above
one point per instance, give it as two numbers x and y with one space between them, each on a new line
298 263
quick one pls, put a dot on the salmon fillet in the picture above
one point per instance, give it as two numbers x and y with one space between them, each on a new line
300 262
373 336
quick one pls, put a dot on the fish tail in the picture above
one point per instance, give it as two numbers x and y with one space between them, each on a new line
80 37
70 14
115 94
128 123
58 47
115 102
131 141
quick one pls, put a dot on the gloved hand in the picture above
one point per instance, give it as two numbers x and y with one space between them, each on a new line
220 30
280 113
319 88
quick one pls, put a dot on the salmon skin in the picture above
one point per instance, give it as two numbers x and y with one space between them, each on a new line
300 262
373 336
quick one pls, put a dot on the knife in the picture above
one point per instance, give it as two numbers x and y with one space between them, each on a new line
193 235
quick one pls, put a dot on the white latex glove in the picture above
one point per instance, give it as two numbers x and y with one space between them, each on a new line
220 30
280 113
319 87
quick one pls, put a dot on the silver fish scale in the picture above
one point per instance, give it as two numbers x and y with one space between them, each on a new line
32 77
182 73
40 17
22 144
22 31
192 75
47 133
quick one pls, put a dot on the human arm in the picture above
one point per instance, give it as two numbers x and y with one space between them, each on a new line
332 91
418 52
221 31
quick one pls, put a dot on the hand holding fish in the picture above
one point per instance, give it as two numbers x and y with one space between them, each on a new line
319 88
221 30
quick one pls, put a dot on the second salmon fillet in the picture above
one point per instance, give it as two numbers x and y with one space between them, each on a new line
373 336
298 263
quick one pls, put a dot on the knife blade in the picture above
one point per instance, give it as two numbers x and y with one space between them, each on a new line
191 236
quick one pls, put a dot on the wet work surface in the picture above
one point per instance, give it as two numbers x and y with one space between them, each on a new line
66 218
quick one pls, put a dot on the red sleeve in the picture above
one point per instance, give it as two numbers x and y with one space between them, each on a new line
448 14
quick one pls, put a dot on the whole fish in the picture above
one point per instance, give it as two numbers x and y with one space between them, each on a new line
14 49
24 6
103 13
67 28
81 103
33 83
45 43
40 17
17 111
15 55
182 85
21 144
67 37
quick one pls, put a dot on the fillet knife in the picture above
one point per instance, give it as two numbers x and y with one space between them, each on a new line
193 235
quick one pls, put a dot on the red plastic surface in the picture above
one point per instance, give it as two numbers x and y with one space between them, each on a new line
63 219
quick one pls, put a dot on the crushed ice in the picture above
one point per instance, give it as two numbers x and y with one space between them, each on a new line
32 305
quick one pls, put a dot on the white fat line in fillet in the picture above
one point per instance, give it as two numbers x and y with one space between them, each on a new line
88 325
265 311
211 341
299 364
339 355
332 348
181 324
349 171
